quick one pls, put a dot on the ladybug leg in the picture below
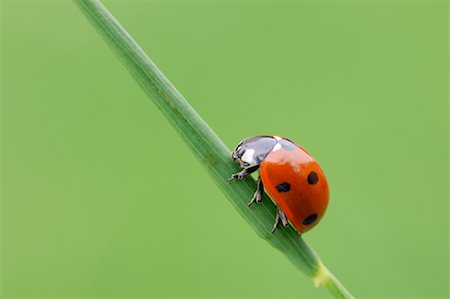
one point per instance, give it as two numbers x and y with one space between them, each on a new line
280 218
258 196
245 172
283 217
277 222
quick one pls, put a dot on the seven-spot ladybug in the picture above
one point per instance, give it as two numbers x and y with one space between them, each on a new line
291 177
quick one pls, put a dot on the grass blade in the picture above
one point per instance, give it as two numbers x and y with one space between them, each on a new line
207 147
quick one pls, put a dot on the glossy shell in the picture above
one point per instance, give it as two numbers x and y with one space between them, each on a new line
296 183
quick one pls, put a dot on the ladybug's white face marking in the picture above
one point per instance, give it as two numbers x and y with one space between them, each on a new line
248 156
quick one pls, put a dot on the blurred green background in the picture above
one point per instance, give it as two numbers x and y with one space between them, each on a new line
101 198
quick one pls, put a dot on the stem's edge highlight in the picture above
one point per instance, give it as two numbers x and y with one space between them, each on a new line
207 147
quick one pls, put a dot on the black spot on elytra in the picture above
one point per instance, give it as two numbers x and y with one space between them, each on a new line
283 187
312 178
310 219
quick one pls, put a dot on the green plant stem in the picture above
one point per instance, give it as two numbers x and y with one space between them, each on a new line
207 147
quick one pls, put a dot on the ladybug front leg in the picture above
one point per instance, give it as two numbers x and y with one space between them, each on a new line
281 217
245 172
258 196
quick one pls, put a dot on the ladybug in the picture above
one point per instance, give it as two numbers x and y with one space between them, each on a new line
291 177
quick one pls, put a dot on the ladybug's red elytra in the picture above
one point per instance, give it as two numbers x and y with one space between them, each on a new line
291 177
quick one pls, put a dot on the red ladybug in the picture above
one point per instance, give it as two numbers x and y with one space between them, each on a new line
291 177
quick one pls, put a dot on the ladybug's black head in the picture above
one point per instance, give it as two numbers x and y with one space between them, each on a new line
253 150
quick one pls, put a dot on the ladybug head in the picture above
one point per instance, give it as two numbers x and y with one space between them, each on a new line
253 150
238 155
